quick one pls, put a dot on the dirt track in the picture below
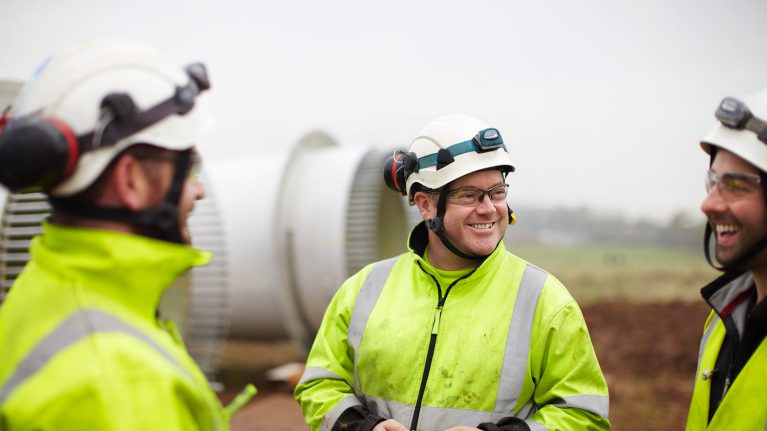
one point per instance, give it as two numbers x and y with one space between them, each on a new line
647 352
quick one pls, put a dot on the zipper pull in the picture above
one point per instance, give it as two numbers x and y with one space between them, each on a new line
727 382
437 315
708 374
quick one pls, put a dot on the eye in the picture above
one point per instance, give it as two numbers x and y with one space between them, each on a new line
466 194
498 193
736 184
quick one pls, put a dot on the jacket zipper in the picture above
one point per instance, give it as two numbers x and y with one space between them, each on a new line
432 343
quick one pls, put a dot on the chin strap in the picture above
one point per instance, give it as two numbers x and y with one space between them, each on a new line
161 220
738 264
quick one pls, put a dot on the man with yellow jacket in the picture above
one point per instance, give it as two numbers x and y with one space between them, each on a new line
457 333
731 376
107 129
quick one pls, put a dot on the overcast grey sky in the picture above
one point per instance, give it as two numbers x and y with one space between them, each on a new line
602 102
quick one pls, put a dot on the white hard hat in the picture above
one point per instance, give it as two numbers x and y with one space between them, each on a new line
468 145
71 86
734 132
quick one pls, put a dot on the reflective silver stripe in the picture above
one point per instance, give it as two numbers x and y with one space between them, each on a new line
442 417
597 404
76 327
704 342
536 426
332 416
316 373
517 350
431 418
527 410
366 299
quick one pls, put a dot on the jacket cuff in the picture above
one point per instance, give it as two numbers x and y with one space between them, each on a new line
509 423
356 418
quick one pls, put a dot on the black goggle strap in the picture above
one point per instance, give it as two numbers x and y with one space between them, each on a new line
124 121
457 149
162 219
436 225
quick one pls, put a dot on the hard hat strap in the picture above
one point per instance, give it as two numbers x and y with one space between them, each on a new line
161 220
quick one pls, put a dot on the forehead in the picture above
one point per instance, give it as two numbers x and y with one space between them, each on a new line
481 179
727 161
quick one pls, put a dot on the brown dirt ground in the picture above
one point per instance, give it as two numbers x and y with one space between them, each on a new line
648 353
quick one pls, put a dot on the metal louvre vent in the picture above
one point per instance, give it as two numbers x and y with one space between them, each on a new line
22 217
362 213
208 319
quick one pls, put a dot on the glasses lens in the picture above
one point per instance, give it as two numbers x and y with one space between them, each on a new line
471 196
498 193
195 167
466 196
710 180
733 185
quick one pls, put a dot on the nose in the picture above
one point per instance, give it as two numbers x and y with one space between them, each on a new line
486 205
198 189
713 203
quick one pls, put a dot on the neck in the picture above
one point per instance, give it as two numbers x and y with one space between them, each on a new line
442 258
760 280
64 219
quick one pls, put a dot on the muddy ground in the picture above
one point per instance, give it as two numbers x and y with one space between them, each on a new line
648 353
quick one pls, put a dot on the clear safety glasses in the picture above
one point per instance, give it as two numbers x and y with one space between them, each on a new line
733 185
472 196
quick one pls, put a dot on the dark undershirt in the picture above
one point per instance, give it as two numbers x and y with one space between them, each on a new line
735 353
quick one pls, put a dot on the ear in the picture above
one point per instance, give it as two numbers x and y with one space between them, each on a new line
426 204
133 190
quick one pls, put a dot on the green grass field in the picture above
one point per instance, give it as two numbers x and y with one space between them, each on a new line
595 273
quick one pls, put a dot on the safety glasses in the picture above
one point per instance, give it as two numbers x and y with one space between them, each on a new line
472 196
733 185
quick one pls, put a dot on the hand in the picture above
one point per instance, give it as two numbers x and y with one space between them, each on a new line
390 425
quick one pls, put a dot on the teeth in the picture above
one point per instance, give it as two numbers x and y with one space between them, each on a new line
482 226
726 228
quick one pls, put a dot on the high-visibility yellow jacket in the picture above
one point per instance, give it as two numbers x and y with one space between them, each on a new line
81 347
744 405
504 340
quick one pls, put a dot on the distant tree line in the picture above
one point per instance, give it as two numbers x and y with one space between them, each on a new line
572 226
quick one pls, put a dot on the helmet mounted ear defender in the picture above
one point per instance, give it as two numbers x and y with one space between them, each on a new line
744 134
110 92
448 148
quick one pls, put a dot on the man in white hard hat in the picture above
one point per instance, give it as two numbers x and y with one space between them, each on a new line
458 333
732 364
107 129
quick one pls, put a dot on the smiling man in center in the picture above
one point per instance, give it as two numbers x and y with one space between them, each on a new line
457 333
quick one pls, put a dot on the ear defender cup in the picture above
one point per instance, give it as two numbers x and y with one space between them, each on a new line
512 216
36 154
397 168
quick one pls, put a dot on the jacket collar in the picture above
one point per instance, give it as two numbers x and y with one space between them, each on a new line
131 269
419 240
728 291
